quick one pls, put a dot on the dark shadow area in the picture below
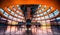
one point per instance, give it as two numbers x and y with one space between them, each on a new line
55 27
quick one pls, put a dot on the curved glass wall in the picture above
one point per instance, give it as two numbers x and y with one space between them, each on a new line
51 15
11 17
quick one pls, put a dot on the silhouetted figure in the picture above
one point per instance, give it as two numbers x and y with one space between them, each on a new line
28 25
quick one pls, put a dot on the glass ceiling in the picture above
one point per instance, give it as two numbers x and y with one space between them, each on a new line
37 16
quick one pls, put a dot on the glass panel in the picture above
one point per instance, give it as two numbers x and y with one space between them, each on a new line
42 18
19 12
16 15
40 10
38 18
19 20
52 19
18 7
48 10
20 17
10 17
15 19
41 14
5 14
3 19
39 6
45 13
44 8
38 15
46 17
12 12
56 12
9 9
14 8
51 15
58 18
1 10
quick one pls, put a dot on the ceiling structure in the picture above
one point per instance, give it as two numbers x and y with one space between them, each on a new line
45 10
